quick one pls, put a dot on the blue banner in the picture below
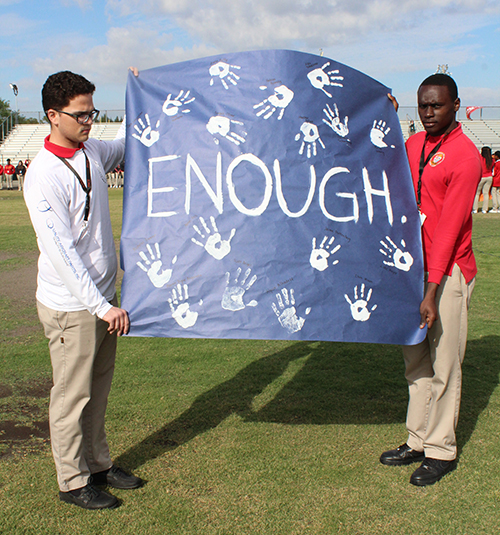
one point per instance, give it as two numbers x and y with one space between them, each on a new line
268 195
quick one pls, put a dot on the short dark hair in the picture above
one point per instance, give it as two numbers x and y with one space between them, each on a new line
497 153
63 86
442 79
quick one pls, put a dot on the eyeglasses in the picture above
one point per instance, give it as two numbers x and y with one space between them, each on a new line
82 118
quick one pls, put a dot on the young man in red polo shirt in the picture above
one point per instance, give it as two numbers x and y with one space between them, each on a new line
446 170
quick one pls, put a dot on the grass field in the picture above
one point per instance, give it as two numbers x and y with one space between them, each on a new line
247 437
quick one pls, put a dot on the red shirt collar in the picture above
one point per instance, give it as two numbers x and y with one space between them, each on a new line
450 135
62 152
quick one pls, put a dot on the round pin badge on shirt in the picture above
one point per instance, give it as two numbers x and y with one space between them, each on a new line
437 159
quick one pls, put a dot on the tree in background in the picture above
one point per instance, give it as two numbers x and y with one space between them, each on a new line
5 110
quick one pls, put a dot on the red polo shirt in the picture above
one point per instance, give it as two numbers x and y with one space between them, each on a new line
9 169
449 184
496 175
486 171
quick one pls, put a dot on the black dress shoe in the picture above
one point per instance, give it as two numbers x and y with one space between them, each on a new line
89 497
117 478
431 471
402 455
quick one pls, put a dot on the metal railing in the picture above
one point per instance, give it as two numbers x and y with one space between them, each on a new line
116 115
106 116
7 125
484 113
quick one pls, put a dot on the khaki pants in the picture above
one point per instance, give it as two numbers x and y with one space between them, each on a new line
434 372
8 180
484 188
82 353
495 194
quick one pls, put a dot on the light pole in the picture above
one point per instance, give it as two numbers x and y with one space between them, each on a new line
16 91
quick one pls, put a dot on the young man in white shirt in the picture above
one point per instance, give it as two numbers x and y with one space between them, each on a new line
67 198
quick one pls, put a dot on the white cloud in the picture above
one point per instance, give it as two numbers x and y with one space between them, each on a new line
12 22
390 40
108 64
411 49
479 96
82 4
246 24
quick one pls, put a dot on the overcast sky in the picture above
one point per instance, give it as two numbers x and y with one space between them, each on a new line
397 42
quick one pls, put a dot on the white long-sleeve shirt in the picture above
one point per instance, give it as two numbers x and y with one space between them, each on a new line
77 264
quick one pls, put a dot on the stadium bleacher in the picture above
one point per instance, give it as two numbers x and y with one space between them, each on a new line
25 140
481 132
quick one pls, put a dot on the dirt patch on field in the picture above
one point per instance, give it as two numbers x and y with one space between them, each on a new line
25 427
12 431
17 291
18 281
5 391
18 274
24 423
37 389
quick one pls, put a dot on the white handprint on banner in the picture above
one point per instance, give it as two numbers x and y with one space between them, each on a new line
320 78
359 309
180 307
146 135
232 298
396 256
215 245
378 133
286 312
172 106
333 121
220 125
224 71
154 265
281 98
311 135
319 256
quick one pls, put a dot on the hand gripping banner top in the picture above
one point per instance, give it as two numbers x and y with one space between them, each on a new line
268 196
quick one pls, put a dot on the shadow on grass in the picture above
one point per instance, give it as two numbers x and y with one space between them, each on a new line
481 370
333 383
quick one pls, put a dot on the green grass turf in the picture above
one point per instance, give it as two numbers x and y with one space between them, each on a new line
255 437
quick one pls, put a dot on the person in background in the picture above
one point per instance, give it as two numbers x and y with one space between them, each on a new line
486 180
10 172
495 184
20 172
1 176
445 167
411 127
119 176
